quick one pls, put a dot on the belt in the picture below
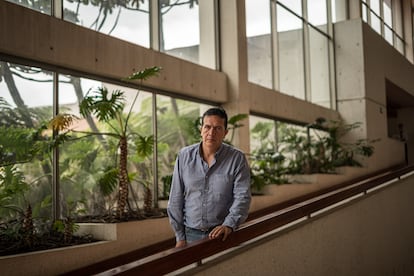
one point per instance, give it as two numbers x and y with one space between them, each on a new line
203 230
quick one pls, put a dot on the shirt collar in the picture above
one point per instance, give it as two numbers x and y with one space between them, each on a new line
220 149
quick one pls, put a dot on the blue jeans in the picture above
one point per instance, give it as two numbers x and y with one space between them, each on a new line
193 235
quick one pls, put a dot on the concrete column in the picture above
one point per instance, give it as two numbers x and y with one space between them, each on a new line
234 64
154 25
355 10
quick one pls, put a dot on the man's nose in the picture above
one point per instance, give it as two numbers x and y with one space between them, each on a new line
212 130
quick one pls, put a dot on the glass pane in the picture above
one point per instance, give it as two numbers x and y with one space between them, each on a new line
317 13
262 134
125 20
376 23
339 10
26 95
43 6
291 61
176 128
208 50
319 68
264 166
259 42
375 6
399 44
280 149
78 167
180 29
293 145
364 13
387 13
388 35
375 15
89 160
398 25
293 5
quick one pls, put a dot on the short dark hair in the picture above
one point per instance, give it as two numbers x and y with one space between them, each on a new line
217 111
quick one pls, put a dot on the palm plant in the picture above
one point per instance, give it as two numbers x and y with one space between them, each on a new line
108 108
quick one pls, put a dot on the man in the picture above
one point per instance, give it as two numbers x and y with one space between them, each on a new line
210 190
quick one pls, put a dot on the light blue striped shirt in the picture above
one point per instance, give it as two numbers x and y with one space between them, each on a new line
203 197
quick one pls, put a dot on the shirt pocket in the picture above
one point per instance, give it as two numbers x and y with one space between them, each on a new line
222 187
194 184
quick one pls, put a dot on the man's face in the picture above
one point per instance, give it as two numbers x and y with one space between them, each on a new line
213 131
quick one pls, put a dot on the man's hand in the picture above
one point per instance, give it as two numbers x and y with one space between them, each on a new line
180 244
220 230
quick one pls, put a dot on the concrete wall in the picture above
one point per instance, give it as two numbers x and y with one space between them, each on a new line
383 63
364 62
369 236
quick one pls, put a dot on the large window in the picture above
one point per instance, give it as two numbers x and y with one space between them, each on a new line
180 29
290 48
385 17
127 20
259 43
43 6
76 174
26 95
92 153
281 149
188 30
339 10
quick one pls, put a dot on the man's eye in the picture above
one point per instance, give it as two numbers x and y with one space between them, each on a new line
216 128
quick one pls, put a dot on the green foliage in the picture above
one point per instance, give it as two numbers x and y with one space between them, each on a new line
120 129
267 168
102 104
24 159
12 184
20 145
316 148
109 181
144 145
62 225
144 74
330 150
10 116
59 226
166 182
233 123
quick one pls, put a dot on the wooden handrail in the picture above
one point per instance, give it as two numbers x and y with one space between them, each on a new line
176 258
162 258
